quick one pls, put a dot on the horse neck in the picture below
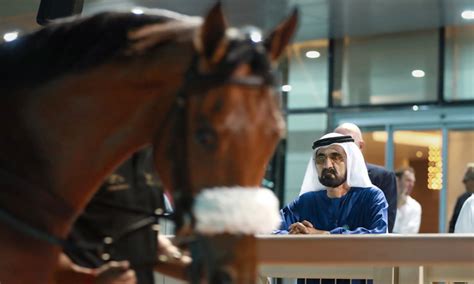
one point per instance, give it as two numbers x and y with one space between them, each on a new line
75 131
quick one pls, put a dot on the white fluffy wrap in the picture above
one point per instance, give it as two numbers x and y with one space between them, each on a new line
236 210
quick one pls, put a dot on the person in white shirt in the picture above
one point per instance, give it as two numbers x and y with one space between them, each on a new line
465 222
408 217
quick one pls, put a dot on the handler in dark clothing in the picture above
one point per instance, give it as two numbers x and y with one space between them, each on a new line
468 181
135 187
379 176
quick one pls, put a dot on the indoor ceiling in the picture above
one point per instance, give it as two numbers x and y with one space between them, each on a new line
320 18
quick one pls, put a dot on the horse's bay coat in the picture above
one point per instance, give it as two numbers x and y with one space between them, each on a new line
79 96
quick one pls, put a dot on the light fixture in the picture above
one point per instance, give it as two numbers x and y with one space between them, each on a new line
418 73
255 36
313 54
286 88
11 36
415 108
468 14
137 11
435 168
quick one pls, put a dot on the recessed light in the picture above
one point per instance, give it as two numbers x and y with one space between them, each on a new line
137 11
468 14
11 36
415 108
418 73
255 36
313 54
286 88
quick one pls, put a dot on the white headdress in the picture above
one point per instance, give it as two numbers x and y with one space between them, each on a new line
357 175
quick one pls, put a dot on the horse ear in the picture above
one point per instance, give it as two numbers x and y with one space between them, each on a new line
277 41
209 40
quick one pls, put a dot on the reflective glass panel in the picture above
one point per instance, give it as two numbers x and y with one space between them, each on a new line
459 64
308 74
386 69
421 150
460 155
303 129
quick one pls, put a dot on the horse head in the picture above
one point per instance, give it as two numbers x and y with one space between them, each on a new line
85 93
225 125
226 121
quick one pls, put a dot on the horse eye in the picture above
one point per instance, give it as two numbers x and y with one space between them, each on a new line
206 137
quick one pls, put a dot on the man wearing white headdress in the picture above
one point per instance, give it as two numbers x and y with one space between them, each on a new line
344 201
379 176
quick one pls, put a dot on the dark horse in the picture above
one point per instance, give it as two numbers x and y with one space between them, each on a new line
79 96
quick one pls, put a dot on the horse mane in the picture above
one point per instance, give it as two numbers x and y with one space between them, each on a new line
72 45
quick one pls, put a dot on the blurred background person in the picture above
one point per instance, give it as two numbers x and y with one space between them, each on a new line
468 181
465 222
116 235
408 218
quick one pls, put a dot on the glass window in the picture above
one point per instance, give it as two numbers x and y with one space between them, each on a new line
374 148
308 74
421 150
459 64
460 154
303 129
386 69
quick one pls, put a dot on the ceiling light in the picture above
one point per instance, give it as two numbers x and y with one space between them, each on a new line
137 11
468 14
286 88
256 36
418 73
415 108
313 54
11 36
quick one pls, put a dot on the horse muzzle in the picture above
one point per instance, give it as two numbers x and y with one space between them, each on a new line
224 250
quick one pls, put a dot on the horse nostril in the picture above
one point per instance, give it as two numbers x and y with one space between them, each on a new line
206 137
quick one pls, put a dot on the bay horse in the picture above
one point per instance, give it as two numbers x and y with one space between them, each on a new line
79 96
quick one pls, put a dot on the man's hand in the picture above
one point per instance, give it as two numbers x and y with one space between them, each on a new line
305 228
171 261
115 272
168 252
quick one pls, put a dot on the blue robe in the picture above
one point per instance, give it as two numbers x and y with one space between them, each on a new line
360 211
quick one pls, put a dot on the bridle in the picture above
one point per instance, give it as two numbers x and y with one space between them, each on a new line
243 51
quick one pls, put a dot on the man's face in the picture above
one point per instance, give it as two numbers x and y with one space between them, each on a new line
468 180
406 183
331 165
469 185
